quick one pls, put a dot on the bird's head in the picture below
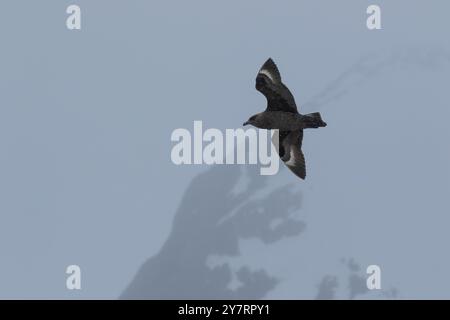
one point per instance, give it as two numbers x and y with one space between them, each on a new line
253 120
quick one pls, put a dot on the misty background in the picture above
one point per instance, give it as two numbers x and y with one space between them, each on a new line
86 176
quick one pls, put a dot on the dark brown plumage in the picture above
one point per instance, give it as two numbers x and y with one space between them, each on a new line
281 113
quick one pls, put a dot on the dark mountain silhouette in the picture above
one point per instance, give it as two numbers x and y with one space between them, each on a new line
210 220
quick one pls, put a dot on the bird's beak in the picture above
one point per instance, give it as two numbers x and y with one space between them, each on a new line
245 123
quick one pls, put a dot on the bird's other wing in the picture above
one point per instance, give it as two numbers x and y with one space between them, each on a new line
268 82
289 148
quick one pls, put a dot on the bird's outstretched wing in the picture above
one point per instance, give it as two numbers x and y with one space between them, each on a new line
268 82
289 146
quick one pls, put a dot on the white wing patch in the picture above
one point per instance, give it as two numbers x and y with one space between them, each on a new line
267 73
291 161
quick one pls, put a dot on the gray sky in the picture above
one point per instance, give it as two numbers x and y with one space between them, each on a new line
86 118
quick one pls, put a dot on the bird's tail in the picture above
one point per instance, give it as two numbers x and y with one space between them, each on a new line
313 120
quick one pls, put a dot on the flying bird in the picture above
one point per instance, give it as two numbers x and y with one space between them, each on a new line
281 113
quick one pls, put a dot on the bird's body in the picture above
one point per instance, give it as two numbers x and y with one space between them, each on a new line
281 114
281 120
278 120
